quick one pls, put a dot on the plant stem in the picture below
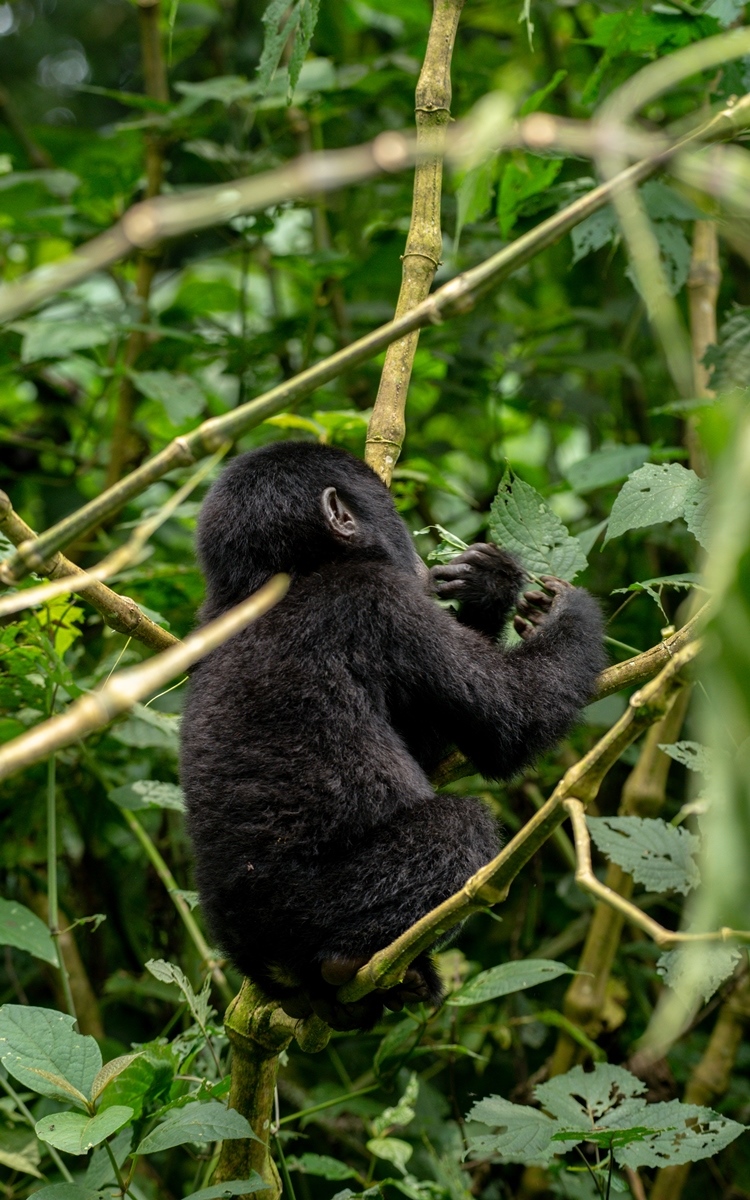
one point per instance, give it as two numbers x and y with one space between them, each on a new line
54 924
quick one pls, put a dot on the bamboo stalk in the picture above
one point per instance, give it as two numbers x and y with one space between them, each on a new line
424 243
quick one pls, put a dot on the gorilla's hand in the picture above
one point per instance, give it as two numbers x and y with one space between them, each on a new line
536 608
484 576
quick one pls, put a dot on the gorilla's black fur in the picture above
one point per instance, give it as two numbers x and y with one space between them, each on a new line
308 738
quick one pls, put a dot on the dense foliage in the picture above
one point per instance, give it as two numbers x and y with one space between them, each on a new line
545 418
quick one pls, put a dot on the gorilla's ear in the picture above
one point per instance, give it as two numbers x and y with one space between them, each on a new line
338 516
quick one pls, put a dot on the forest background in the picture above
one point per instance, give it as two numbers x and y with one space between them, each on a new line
577 394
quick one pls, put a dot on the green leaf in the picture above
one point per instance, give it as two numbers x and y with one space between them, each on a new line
520 521
525 176
586 1099
240 1187
474 195
507 978
59 339
537 98
687 1133
521 1134
697 512
110 1071
322 1165
40 1048
145 727
226 89
588 537
22 928
76 1134
658 855
391 1150
148 793
196 1123
692 755
180 396
596 231
282 21
730 360
199 1004
652 494
397 1043
716 963
308 19
147 1078
19 1150
608 465
401 1113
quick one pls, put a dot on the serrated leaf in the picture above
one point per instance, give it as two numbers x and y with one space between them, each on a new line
611 464
582 1099
148 793
196 1123
40 1048
520 521
521 1134
698 510
235 1187
692 755
198 1003
696 977
322 1165
392 1150
652 494
76 1133
110 1071
308 19
730 360
525 176
507 978
179 395
594 232
22 928
687 1133
401 1113
658 855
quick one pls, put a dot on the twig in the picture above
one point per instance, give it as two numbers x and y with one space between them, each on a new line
457 296
703 291
586 879
123 690
421 258
119 612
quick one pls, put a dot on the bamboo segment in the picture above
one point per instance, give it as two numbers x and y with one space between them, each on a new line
421 257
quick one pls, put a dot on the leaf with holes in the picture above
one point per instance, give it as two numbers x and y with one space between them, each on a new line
698 511
520 521
683 1133
692 755
521 1134
651 495
657 855
148 793
698 975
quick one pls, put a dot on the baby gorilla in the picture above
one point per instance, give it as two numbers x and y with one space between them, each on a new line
308 738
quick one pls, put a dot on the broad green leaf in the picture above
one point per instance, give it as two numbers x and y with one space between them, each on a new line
40 1048
651 495
22 928
687 1133
110 1071
196 1123
588 537
198 1003
147 1077
76 1134
507 978
522 1134
146 727
698 511
398 1042
148 793
730 360
524 176
322 1165
692 755
658 855
226 89
392 1150
587 1099
59 339
180 395
521 522
240 1187
596 231
611 464
19 1150
716 963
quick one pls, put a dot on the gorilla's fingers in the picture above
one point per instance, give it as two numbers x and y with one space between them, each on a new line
338 971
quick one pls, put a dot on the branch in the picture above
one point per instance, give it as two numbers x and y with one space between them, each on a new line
424 243
305 175
491 883
586 879
123 690
119 612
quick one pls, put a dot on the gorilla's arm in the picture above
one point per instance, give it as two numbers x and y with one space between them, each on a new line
502 707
